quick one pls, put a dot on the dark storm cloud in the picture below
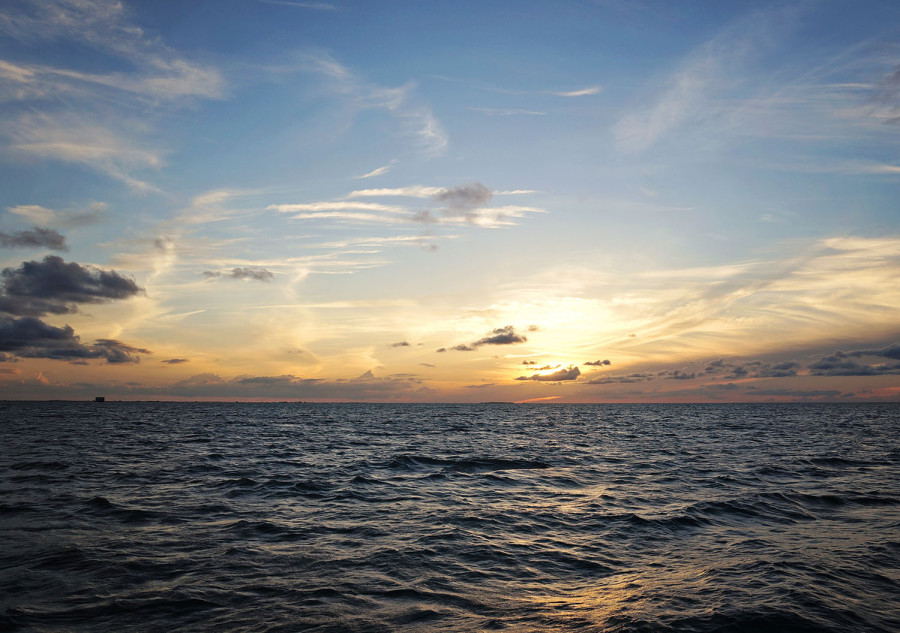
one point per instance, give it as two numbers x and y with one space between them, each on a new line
678 375
778 370
29 337
505 335
892 352
564 373
118 352
598 363
175 361
254 274
840 364
400 344
34 238
752 369
53 286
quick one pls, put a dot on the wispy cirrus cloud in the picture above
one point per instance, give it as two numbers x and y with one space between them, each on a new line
335 206
378 171
73 139
459 205
318 6
738 85
39 215
95 117
581 92
416 117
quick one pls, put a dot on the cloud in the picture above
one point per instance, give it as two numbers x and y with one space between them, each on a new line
505 335
29 337
48 217
794 393
245 273
400 102
678 375
778 370
175 361
598 363
463 204
71 138
752 369
211 386
563 374
630 378
78 114
340 205
839 364
53 286
34 212
118 352
34 238
319 6
892 352
400 344
378 171
583 92
888 97
157 71
508 112
414 191
463 199
702 96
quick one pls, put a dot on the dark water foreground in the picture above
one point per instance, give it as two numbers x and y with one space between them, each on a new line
294 517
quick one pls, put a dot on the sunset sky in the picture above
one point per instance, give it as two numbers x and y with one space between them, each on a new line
391 200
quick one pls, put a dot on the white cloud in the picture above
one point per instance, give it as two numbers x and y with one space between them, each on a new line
35 213
401 102
414 191
335 206
319 6
102 120
508 112
583 92
71 139
379 171
347 215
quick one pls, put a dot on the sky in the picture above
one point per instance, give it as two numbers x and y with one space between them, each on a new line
394 200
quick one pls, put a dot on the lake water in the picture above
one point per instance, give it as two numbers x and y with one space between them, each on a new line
521 518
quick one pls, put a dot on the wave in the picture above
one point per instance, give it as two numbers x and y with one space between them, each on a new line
465 465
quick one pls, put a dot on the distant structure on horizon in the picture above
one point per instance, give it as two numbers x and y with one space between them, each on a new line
99 399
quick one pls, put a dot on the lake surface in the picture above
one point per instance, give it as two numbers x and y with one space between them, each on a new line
521 518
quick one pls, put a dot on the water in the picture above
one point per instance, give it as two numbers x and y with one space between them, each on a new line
300 517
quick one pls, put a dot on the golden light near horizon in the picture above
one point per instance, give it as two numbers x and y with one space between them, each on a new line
379 209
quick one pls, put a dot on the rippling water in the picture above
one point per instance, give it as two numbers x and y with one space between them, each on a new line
300 517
